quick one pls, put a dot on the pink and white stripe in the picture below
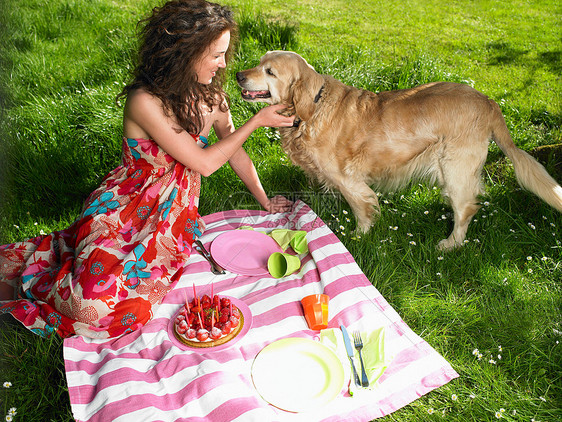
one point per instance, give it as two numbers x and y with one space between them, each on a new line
143 376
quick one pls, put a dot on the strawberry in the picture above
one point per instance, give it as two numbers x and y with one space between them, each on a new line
225 302
223 317
191 333
202 334
226 327
182 326
205 299
234 321
215 333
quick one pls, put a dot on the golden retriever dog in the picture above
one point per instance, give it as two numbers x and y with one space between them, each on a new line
351 139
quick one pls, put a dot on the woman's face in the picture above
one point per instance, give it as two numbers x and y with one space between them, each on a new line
213 59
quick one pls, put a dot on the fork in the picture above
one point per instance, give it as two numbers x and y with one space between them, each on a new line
359 345
215 268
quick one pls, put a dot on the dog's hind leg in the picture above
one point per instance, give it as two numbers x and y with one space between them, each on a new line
461 185
363 202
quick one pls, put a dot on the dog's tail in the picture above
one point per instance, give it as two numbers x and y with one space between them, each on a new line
530 174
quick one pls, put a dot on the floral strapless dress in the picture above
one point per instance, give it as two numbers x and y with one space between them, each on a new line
105 275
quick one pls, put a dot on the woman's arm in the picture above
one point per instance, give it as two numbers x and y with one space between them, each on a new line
144 117
244 168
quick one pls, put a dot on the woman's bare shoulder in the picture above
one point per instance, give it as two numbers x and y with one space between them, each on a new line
141 107
140 99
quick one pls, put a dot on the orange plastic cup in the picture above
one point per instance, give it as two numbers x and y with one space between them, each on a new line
316 311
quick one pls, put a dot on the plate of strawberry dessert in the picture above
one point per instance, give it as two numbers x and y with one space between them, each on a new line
209 324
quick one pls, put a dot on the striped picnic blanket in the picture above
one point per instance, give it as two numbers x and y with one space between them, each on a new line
144 376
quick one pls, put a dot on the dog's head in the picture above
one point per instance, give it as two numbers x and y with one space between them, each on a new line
282 77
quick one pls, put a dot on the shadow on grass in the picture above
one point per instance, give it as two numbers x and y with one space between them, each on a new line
503 53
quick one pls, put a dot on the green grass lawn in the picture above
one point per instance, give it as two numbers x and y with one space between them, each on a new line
493 308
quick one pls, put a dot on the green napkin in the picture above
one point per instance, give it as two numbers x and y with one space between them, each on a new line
374 357
296 239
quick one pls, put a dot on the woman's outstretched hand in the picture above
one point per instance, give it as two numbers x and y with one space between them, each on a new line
269 117
278 204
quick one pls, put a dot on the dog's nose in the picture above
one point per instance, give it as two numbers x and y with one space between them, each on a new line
240 77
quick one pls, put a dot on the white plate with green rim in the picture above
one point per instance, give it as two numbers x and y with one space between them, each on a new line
297 374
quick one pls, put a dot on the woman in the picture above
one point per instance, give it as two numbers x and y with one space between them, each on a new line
105 275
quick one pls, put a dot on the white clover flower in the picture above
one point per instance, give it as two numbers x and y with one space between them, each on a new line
409 234
499 357
502 410
440 258
12 411
552 225
530 270
9 418
42 233
529 258
544 258
475 352
345 212
500 349
7 384
443 217
16 226
426 212
438 274
512 231
35 223
472 396
532 226
454 397
413 243
486 203
492 361
480 356
342 228
498 415
430 411
466 241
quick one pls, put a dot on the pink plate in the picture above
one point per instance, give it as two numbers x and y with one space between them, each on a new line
245 328
244 252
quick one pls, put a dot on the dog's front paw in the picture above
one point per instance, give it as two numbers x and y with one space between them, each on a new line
448 244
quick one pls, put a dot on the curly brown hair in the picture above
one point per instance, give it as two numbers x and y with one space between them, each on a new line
174 37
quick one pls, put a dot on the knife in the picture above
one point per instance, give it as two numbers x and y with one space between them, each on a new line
349 350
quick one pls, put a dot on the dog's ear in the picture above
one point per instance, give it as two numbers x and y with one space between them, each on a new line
303 100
